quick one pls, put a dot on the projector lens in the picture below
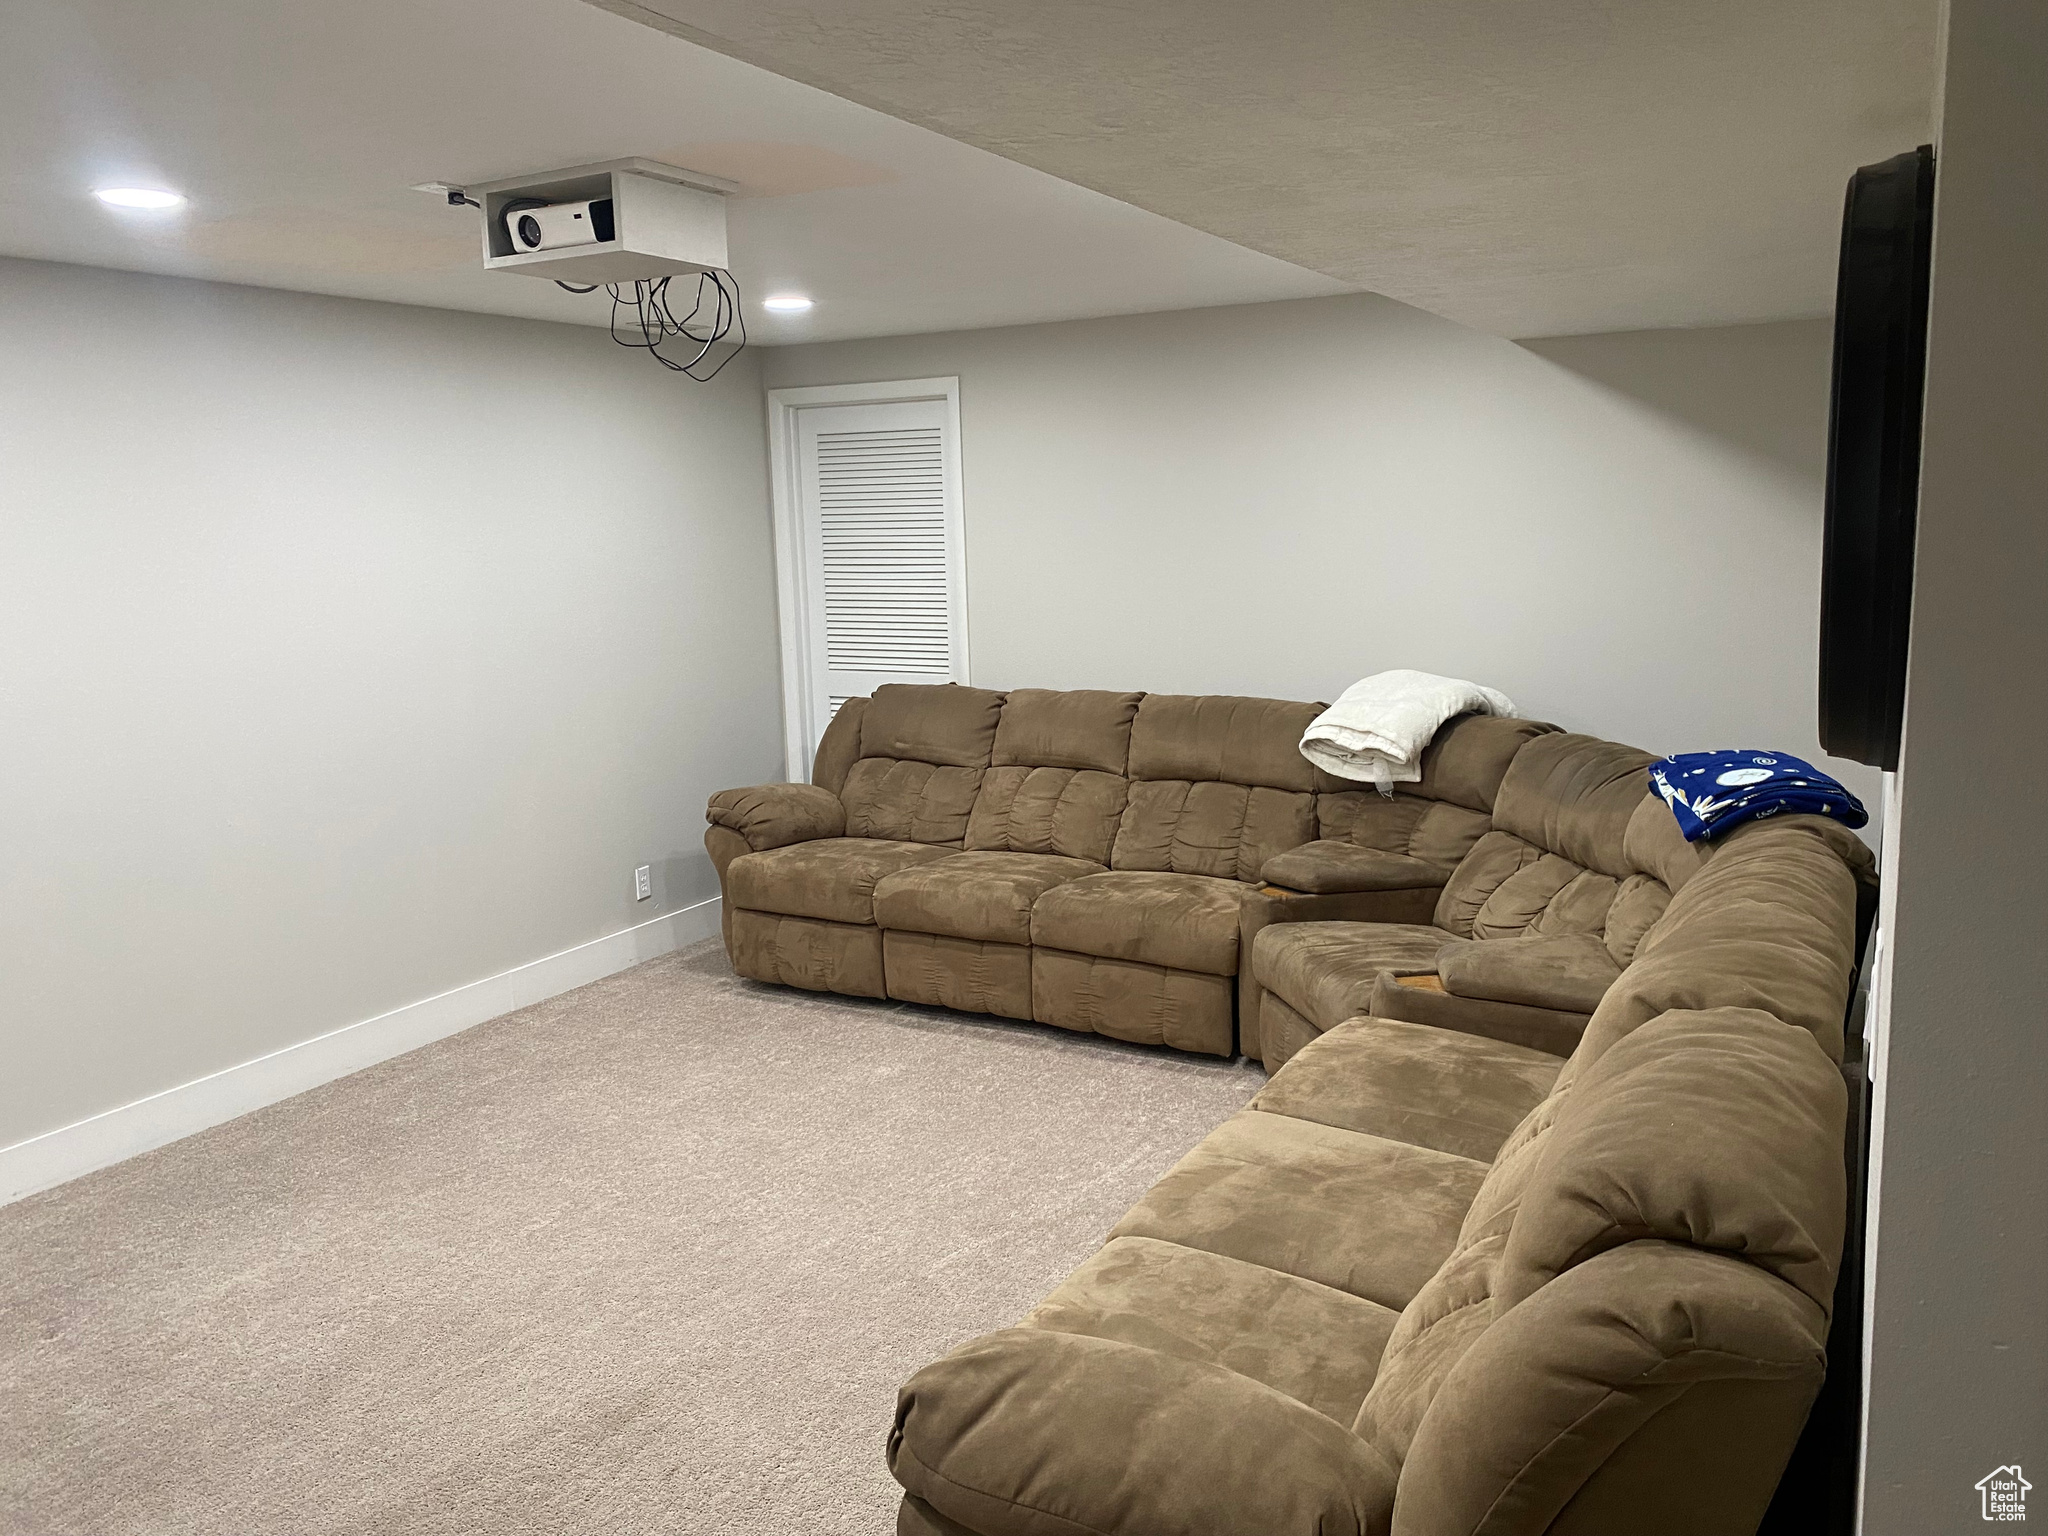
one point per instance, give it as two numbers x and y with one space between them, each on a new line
529 231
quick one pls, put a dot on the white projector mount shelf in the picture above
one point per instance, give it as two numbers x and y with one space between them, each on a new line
666 222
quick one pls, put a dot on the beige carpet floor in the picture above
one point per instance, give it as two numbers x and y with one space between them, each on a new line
650 1257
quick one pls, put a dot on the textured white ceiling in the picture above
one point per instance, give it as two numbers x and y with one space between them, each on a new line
1531 168
297 127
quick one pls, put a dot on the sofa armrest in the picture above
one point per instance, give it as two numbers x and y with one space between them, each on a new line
1330 868
1554 1030
1570 971
1027 1432
775 815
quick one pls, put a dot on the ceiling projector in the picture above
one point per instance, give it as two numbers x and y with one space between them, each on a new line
627 227
532 225
620 221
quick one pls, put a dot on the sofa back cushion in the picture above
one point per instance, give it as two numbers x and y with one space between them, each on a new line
1217 738
1463 765
1717 1132
1719 1128
1440 817
1572 851
1573 795
923 751
1218 785
1768 921
1653 845
1506 888
839 748
1088 729
1656 1387
946 724
1056 783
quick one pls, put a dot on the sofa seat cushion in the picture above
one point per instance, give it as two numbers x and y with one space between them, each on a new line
1319 1346
1185 922
985 896
1362 1214
1326 971
1412 1082
833 878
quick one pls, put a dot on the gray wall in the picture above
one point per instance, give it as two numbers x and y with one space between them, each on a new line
1959 1334
348 653
1623 532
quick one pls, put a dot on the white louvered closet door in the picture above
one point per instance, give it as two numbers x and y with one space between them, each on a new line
879 513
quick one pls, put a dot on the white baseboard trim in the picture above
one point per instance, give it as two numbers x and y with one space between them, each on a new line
58 1156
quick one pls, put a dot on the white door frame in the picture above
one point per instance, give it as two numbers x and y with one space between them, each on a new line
791 599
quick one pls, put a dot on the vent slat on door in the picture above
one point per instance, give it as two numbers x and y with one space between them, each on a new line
882 535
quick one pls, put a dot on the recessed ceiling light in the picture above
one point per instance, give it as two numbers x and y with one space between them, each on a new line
786 303
138 197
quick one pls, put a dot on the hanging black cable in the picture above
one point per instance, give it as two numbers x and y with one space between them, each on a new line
713 318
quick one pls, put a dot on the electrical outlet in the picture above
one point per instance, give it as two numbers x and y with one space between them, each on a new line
643 882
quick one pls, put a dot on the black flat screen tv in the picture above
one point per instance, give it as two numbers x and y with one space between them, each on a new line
1873 494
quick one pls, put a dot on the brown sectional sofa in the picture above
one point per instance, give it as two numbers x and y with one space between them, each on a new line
1432 1283
1094 860
1544 1243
